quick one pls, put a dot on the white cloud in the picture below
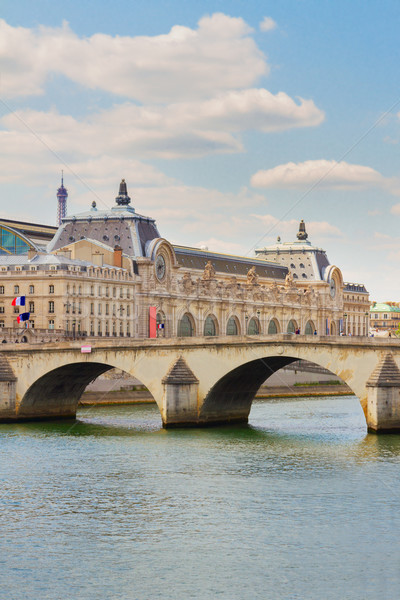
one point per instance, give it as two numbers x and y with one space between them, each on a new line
395 210
225 247
180 130
184 63
267 24
250 109
327 173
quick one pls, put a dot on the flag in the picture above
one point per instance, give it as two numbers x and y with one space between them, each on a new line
18 301
23 316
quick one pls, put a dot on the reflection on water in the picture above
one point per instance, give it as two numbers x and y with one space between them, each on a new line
301 503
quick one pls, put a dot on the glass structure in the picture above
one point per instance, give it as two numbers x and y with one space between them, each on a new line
12 242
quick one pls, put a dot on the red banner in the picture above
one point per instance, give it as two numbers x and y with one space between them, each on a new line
152 322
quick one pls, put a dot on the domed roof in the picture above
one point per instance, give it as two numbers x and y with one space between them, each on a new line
384 307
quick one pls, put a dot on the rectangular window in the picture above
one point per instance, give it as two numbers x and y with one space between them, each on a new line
51 306
92 308
31 324
31 289
1 289
99 309
107 309
92 290
51 324
51 289
128 311
31 307
16 309
1 323
16 289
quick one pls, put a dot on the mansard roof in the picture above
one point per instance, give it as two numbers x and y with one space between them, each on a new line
194 258
120 225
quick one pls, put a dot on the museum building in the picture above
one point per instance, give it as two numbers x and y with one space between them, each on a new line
110 273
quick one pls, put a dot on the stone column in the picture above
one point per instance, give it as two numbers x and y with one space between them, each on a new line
8 386
383 405
180 396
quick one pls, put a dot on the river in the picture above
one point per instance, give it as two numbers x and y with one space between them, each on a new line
300 504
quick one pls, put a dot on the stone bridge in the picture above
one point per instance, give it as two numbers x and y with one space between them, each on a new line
196 381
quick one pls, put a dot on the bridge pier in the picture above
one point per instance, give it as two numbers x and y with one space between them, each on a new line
383 406
180 396
8 384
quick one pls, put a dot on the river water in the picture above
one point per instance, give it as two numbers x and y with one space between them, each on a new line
300 504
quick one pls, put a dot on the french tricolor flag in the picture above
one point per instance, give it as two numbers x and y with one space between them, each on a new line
23 317
18 301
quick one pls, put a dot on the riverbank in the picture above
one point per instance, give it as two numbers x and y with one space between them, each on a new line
144 397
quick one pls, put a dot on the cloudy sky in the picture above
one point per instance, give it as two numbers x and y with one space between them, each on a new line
230 120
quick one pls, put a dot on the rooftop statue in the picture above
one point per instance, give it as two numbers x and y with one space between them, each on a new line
209 271
252 277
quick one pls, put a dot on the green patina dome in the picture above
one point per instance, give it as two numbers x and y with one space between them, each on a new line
383 307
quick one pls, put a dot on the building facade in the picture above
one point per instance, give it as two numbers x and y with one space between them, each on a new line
110 273
355 309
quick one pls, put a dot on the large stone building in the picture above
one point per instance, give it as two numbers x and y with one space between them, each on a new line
110 273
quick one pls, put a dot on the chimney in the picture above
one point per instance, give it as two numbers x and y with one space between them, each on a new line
117 256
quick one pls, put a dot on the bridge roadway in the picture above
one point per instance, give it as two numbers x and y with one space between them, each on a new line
196 381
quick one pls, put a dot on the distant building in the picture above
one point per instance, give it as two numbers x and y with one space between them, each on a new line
355 309
385 316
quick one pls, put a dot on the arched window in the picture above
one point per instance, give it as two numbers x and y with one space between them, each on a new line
254 327
210 327
273 326
232 327
310 328
185 326
291 328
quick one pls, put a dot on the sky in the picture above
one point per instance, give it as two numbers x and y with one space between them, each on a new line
230 121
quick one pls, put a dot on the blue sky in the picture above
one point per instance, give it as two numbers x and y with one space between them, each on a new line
230 121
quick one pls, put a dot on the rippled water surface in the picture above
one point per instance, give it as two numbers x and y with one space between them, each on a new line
300 504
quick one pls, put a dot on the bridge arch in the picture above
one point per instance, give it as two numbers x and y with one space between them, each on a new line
230 397
57 392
